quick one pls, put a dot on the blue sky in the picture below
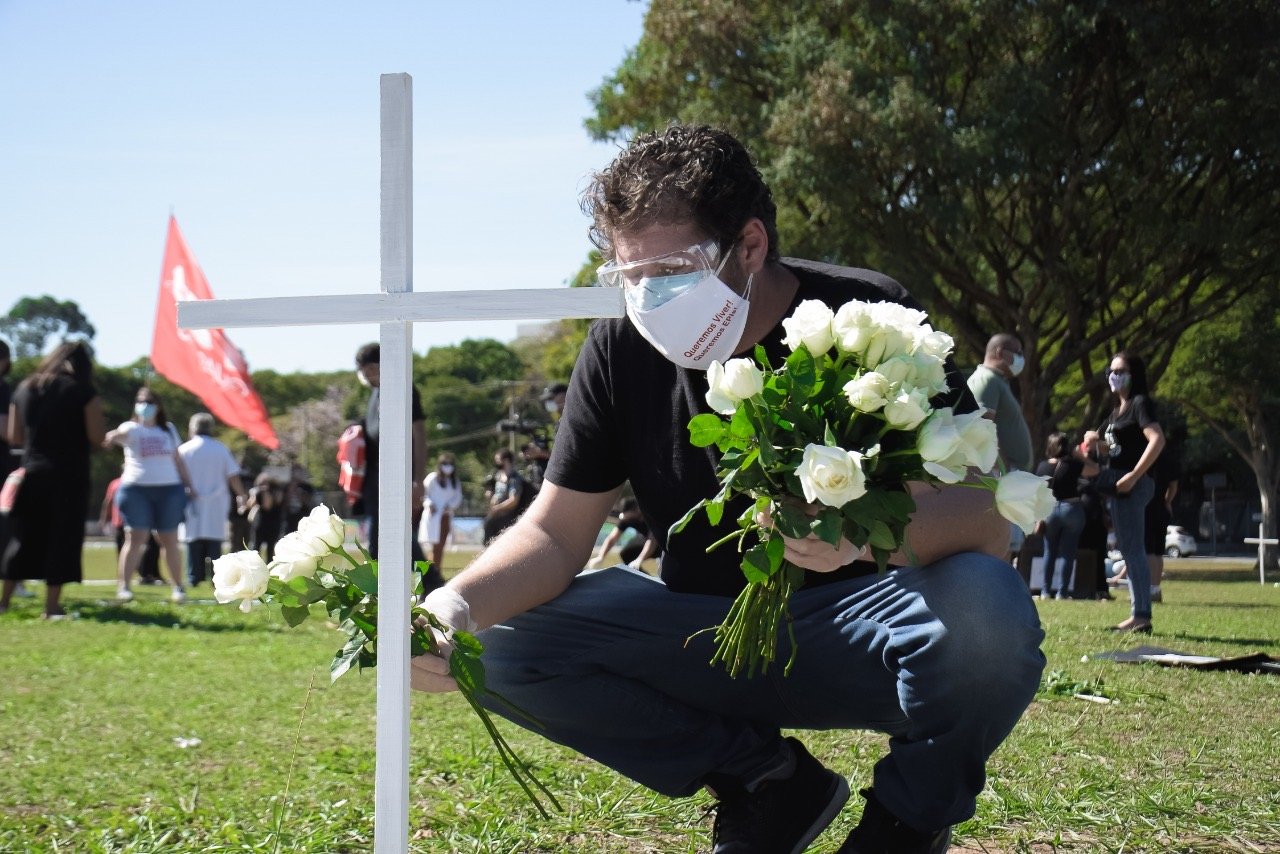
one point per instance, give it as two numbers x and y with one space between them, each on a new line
257 124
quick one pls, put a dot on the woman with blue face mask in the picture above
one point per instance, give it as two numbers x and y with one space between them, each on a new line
154 489
1129 442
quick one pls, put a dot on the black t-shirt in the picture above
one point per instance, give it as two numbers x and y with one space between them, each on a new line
53 426
1064 477
1123 432
626 418
371 431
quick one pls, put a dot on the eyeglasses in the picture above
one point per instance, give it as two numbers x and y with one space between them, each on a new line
700 257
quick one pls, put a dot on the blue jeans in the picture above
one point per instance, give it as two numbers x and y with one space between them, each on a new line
944 659
1128 518
1061 540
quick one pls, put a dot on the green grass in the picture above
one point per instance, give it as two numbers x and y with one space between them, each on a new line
90 709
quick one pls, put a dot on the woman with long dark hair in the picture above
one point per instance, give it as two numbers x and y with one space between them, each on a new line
1130 442
56 417
153 490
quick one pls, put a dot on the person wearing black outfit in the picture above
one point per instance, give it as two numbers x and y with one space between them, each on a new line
56 417
369 371
1165 473
942 655
1062 529
1131 440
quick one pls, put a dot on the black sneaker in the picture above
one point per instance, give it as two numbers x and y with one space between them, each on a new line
881 832
781 816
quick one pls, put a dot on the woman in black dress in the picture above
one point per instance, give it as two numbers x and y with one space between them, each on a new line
56 416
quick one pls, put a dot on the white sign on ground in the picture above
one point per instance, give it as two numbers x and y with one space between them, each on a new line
396 307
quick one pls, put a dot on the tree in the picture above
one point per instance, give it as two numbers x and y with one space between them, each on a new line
1224 372
1087 175
32 320
473 360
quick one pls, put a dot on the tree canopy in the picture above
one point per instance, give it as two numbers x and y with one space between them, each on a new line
1087 175
32 320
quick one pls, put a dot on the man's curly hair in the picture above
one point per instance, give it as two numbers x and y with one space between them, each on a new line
685 173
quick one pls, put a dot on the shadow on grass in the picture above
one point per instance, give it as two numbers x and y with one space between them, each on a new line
1181 574
134 614
1254 642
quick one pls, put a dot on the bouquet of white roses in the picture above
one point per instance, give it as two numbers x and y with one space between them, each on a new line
826 443
312 566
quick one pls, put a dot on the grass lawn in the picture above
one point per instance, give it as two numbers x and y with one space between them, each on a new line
100 717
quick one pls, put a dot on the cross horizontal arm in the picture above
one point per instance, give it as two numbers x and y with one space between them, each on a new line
411 307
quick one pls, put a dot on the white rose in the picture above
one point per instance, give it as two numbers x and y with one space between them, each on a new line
731 383
1024 499
832 476
898 316
907 410
324 527
907 371
941 446
296 556
869 392
810 325
240 575
852 327
978 437
931 342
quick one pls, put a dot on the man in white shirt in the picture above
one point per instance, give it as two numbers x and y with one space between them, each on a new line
215 474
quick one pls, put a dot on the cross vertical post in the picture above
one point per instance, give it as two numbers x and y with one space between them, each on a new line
395 455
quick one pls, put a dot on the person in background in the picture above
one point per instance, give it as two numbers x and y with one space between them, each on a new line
7 461
56 418
299 497
989 383
241 532
1131 440
215 475
369 373
443 491
111 523
154 490
535 455
1159 515
510 495
941 652
639 548
1062 529
265 511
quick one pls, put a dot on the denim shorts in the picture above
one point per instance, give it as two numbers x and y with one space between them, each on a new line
151 508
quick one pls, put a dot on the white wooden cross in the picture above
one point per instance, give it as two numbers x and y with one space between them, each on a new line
1262 541
396 308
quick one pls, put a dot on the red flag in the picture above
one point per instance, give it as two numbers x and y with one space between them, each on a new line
203 361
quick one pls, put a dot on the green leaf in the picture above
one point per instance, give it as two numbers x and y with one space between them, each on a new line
715 512
679 524
829 525
295 616
791 520
775 547
468 643
365 578
344 658
742 426
828 437
762 358
705 429
881 537
755 564
801 371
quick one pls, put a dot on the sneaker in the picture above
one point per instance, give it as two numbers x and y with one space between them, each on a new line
881 832
178 596
1156 595
124 594
781 816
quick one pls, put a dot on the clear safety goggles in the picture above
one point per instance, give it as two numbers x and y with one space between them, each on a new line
699 258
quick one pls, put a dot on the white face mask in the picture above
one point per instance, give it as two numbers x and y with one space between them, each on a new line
1018 363
364 381
701 325
446 468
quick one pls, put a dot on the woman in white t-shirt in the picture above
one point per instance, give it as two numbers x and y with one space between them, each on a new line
153 490
443 495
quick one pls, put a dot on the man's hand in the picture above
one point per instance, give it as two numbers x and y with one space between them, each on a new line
811 552
430 672
1126 483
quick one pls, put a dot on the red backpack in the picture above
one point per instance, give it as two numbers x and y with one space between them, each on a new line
351 447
